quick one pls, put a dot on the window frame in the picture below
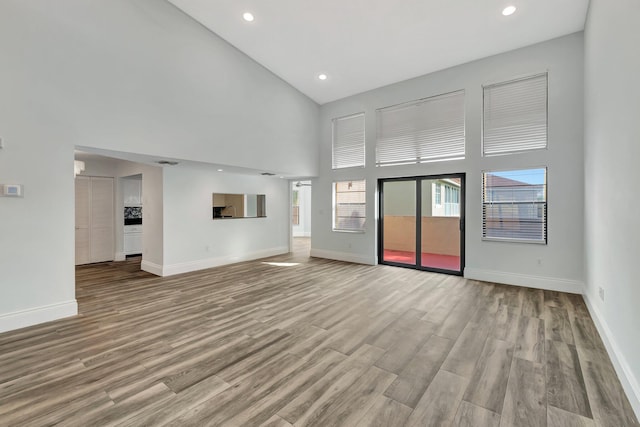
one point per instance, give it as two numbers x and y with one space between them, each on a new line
506 82
545 224
364 140
415 136
334 211
438 194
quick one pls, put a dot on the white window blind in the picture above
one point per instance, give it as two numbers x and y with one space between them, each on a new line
418 131
515 116
349 205
348 141
514 205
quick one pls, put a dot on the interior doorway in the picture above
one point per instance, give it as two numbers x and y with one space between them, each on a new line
131 200
422 222
131 237
300 216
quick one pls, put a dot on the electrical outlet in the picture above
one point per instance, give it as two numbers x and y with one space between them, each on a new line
206 248
539 261
601 293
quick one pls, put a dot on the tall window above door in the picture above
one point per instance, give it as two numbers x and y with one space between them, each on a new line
421 131
348 141
515 116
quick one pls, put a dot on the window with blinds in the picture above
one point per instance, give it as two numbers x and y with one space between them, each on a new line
348 141
420 131
514 205
515 116
349 205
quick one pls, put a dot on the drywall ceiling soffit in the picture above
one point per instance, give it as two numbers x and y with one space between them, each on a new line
90 153
365 44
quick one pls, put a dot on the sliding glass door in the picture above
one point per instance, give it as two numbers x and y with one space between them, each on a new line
422 222
440 223
399 231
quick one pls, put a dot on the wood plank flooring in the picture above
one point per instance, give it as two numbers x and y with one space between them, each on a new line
296 341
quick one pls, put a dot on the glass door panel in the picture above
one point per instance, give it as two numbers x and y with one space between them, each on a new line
440 223
399 222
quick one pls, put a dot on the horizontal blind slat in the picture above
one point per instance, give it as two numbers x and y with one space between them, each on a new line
515 116
349 205
348 141
513 209
428 129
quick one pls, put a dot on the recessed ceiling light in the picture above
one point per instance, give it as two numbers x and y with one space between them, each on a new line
508 10
322 76
219 170
247 16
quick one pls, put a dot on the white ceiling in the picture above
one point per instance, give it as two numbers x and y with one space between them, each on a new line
365 44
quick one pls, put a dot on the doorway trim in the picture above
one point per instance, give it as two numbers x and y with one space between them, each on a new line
418 182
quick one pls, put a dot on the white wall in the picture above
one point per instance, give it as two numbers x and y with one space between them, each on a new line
98 166
612 205
143 77
560 263
193 240
37 231
129 76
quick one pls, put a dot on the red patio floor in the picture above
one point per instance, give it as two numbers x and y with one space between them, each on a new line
444 262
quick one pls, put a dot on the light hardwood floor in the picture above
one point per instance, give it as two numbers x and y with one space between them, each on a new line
309 342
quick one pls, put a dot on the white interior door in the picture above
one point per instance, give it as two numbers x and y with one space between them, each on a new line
102 234
94 220
83 203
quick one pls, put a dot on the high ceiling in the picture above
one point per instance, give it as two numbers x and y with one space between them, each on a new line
364 44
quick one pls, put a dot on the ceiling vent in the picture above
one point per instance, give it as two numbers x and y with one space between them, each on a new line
167 162
267 174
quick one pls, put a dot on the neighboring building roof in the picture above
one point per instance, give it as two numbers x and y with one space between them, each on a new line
451 181
500 181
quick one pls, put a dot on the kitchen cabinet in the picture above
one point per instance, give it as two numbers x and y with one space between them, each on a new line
132 239
228 205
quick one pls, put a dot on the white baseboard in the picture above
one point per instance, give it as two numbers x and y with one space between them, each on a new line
36 315
343 256
625 374
186 267
120 256
538 282
151 267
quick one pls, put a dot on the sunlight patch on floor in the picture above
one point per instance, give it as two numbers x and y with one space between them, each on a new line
282 264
